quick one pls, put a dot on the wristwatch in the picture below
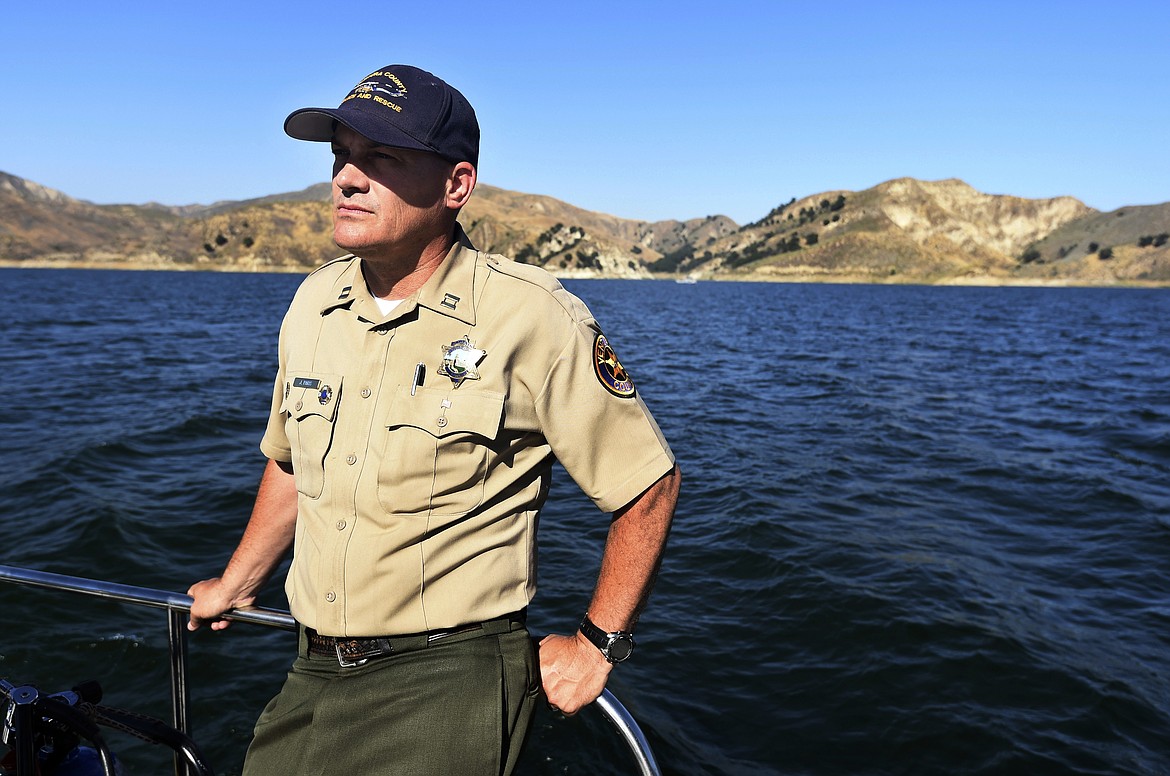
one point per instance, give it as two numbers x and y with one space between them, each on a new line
615 647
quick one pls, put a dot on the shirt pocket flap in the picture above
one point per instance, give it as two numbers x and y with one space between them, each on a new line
441 412
311 393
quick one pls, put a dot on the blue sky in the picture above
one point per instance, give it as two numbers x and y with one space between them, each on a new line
646 110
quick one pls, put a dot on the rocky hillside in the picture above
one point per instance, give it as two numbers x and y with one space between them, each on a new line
903 230
1132 243
40 223
908 230
292 231
571 241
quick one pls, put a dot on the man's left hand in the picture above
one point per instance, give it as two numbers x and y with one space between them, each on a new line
574 672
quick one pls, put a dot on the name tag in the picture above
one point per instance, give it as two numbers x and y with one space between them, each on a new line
305 382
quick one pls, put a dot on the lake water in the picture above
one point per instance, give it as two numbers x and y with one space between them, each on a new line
922 530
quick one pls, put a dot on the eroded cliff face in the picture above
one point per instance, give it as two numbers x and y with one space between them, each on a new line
971 220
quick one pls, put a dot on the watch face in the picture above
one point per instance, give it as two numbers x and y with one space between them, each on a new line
620 648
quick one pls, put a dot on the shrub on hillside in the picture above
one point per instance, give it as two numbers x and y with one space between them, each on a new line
673 260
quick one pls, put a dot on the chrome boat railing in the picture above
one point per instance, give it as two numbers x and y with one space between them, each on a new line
178 606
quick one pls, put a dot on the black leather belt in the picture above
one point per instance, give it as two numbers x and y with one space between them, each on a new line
351 651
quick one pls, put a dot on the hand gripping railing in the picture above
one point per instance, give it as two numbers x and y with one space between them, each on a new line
178 607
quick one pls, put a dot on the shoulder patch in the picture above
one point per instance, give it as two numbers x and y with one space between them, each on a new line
609 370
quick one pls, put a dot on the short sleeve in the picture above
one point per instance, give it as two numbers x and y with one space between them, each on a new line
274 444
597 424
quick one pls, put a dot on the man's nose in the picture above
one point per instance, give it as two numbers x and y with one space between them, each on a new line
351 177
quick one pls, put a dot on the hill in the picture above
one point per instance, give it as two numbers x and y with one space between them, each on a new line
903 230
1131 243
571 241
38 223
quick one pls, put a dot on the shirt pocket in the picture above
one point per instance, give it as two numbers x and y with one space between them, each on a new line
437 451
310 406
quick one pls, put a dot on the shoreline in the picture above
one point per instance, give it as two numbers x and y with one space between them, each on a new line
977 281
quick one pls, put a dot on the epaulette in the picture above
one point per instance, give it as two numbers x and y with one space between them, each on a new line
529 273
543 281
331 262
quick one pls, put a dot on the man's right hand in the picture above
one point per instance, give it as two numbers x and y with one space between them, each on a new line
212 599
265 541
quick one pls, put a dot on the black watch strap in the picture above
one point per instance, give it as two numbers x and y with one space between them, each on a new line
615 647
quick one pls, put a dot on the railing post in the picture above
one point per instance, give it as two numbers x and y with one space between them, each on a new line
630 732
20 725
180 693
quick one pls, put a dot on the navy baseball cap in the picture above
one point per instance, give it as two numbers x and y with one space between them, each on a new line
401 107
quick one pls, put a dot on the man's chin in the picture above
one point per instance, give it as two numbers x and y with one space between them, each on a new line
349 242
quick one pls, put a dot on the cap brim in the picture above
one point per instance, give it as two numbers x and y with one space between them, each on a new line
317 124
310 124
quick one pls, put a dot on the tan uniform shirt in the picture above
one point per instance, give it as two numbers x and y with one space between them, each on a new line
419 488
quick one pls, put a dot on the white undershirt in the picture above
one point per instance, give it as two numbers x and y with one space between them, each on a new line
386 305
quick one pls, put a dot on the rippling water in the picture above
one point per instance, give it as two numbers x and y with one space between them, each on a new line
923 530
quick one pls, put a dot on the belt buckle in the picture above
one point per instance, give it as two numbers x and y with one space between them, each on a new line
341 658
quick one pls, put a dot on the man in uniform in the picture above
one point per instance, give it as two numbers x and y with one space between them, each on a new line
423 390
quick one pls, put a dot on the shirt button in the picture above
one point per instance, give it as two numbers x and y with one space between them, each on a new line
340 525
299 406
442 422
366 393
330 596
351 459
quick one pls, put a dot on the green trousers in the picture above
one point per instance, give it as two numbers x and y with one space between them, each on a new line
462 705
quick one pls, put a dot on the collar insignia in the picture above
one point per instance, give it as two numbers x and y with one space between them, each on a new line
460 360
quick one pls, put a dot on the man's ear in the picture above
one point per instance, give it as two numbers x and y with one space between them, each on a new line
460 184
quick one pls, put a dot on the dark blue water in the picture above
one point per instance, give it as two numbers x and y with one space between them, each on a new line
923 530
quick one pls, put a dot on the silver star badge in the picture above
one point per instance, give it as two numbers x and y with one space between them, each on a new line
460 360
